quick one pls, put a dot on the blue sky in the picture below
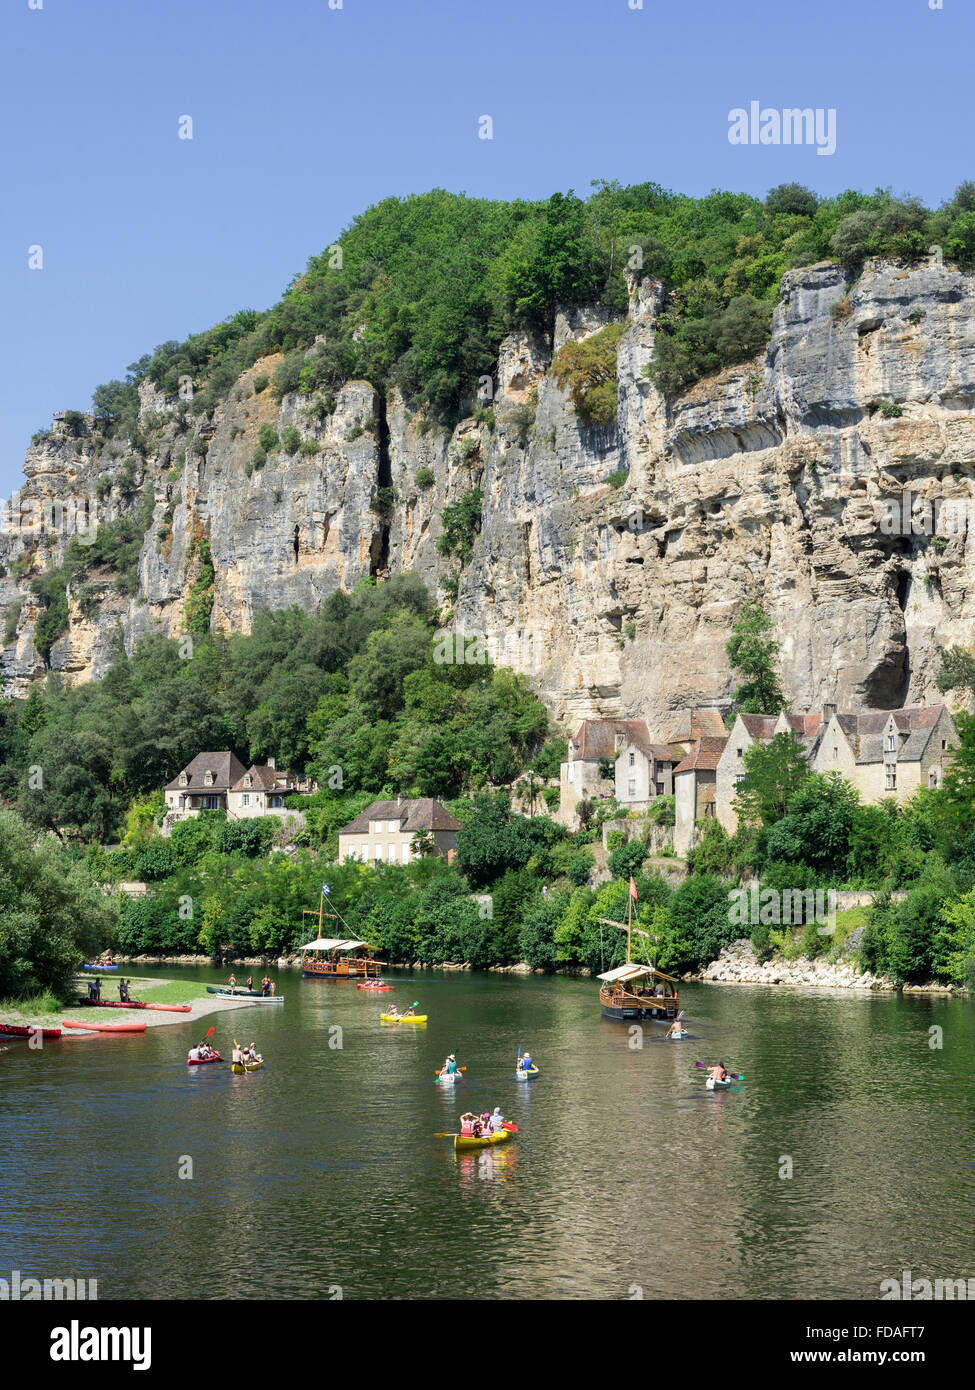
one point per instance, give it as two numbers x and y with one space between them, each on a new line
304 115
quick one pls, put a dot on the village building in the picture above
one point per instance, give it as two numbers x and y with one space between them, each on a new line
695 779
261 791
889 752
758 728
203 785
384 832
590 766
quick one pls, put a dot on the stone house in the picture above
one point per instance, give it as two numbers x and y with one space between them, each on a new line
383 832
203 785
694 789
260 791
888 752
643 771
758 728
597 741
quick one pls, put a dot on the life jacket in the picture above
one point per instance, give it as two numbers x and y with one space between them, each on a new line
465 1129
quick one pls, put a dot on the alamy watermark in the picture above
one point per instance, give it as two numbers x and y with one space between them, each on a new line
907 1288
76 517
16 1289
793 125
910 515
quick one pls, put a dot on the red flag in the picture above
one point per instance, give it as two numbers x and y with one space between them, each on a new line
633 892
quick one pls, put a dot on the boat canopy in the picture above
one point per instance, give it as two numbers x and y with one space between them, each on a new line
336 944
634 972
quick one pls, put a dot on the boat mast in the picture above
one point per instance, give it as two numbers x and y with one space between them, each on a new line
629 924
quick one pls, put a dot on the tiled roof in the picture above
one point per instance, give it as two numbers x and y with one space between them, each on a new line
225 767
425 813
596 738
865 732
265 779
760 726
703 756
698 723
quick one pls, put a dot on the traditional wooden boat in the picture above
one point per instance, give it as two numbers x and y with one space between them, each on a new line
26 1030
333 958
484 1141
634 990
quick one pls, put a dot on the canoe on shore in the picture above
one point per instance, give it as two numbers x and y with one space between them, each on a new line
237 991
105 1027
485 1141
99 967
251 999
135 1004
26 1030
203 1061
238 1069
403 1018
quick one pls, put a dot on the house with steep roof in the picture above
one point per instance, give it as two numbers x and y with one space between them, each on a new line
757 728
889 752
598 741
261 790
202 785
383 832
695 779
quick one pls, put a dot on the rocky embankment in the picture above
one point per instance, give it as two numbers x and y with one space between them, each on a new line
738 965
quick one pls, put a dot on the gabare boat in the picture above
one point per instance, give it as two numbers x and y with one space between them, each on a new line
634 990
334 958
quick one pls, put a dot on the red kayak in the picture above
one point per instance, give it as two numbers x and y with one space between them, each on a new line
105 1027
134 1004
17 1030
376 989
203 1061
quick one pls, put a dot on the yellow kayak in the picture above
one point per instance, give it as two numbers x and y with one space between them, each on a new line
239 1070
403 1018
462 1141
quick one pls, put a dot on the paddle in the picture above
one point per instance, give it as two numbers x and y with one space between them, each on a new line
510 1126
732 1075
440 1073
445 1136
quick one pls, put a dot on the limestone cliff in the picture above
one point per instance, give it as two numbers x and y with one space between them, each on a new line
765 482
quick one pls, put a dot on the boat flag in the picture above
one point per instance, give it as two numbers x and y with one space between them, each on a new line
325 889
633 892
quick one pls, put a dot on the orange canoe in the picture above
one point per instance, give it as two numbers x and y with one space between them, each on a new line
105 1027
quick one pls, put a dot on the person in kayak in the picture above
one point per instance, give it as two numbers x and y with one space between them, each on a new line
450 1066
467 1125
718 1073
497 1120
393 1011
676 1028
526 1063
196 1054
255 1056
410 1013
237 1055
477 1127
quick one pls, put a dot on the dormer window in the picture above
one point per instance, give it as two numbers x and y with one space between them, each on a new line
208 780
248 780
891 743
183 779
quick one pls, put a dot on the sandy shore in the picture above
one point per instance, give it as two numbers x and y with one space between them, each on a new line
152 1018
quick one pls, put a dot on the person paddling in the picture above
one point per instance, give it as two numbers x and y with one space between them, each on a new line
450 1066
718 1073
676 1029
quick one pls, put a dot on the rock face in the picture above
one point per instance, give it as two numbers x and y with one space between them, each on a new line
766 482
737 965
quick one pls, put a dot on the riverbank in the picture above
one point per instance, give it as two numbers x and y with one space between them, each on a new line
738 965
152 990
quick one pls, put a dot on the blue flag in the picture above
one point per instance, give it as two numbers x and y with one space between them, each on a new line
325 889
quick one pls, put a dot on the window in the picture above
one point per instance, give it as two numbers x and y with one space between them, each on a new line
739 777
392 854
245 798
660 788
248 781
739 751
631 787
933 778
572 772
709 809
944 744
632 759
406 854
891 779
836 754
891 743
183 779
208 780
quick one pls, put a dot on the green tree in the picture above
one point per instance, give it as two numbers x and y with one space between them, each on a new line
753 654
774 771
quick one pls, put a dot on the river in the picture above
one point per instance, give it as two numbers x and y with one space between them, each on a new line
320 1175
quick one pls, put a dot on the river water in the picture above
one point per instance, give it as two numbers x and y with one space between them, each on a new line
320 1174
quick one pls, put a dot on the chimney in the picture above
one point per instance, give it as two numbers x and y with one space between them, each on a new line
399 801
828 712
272 764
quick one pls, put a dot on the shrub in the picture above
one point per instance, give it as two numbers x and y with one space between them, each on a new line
618 477
587 370
890 410
268 439
425 477
260 384
460 523
290 440
309 446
